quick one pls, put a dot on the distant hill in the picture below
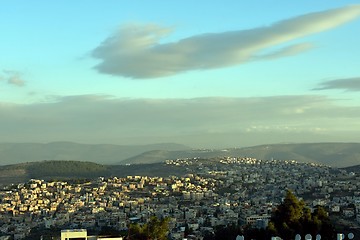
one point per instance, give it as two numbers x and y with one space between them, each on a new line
160 156
355 169
12 153
64 170
50 169
342 155
331 154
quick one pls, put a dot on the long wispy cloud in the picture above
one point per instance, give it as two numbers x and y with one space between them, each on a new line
199 121
347 84
139 51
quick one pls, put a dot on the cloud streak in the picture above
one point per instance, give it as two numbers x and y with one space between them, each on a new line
347 84
12 78
195 122
138 51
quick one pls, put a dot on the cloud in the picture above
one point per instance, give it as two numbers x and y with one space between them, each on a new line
139 51
195 122
348 84
285 51
12 78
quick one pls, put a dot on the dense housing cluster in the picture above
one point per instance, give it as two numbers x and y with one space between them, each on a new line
220 191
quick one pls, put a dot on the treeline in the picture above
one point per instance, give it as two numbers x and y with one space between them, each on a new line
66 169
53 169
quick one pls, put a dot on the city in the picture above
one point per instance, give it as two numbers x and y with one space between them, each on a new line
216 120
215 192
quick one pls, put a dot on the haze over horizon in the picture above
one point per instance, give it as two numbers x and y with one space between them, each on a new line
220 74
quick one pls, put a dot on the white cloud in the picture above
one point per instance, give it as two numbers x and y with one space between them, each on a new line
285 51
137 51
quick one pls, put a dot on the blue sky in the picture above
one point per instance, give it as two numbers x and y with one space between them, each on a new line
200 73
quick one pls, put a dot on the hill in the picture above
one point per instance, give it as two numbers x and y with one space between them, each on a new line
355 169
12 153
331 154
64 170
50 170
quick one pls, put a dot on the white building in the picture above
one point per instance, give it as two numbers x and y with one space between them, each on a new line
73 233
77 234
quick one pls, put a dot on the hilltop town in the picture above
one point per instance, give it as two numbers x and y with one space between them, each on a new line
214 192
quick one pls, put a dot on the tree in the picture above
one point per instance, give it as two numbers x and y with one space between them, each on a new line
155 229
227 232
293 217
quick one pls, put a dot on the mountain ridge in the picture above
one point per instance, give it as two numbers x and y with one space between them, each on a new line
334 154
327 153
11 153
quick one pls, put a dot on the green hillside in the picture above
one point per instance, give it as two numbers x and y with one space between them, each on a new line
53 169
46 170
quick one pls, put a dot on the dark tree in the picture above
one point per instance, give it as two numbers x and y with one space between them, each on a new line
154 229
293 217
227 232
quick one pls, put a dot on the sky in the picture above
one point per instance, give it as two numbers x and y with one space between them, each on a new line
207 74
